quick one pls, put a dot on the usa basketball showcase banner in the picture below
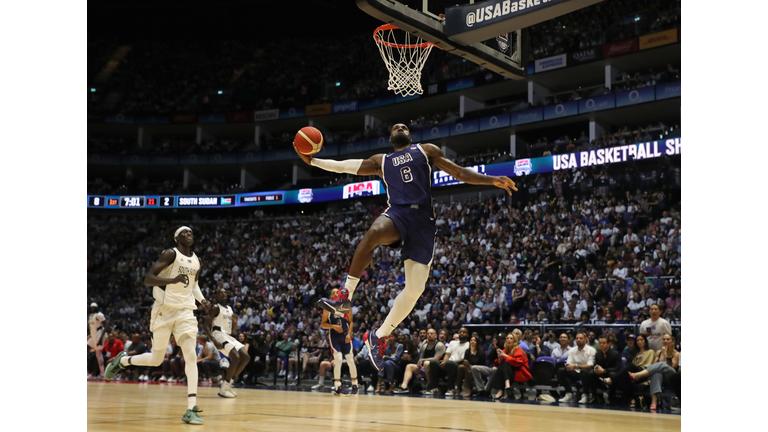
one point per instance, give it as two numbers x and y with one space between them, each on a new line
517 168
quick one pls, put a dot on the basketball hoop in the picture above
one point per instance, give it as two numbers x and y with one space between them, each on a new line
404 60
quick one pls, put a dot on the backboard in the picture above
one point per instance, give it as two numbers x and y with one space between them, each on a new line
487 33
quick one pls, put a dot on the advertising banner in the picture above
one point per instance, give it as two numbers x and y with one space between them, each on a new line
240 117
223 158
376 102
517 168
250 157
151 119
658 39
266 115
668 90
212 118
184 118
282 154
494 122
292 112
527 116
597 103
383 142
619 48
440 131
320 109
354 147
194 159
561 110
341 107
584 56
465 127
632 97
118 118
460 83
367 188
550 63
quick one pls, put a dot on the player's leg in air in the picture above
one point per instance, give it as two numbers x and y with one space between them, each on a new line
384 232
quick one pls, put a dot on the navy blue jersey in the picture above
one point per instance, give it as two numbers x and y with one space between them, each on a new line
408 177
342 321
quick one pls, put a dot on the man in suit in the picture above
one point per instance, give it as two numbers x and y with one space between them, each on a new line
607 361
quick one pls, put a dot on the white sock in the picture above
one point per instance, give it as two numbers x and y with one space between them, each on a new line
351 284
190 369
336 384
416 276
322 380
352 368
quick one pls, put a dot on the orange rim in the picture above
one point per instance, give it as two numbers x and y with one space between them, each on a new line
394 45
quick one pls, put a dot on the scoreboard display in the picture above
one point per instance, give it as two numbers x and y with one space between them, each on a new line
515 168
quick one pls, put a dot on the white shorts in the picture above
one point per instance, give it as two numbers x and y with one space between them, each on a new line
166 320
95 337
227 341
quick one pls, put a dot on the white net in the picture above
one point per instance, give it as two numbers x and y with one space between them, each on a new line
404 59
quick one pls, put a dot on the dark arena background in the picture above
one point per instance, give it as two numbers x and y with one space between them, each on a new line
192 110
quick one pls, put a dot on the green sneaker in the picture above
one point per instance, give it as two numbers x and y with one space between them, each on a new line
191 416
114 367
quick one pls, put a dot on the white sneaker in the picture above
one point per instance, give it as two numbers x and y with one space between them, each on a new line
171 380
232 389
583 399
370 389
317 386
290 376
163 379
224 390
568 398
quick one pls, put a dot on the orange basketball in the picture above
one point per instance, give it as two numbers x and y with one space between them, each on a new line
308 140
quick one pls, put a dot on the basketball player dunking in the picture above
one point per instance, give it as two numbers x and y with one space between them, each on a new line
172 312
219 328
409 221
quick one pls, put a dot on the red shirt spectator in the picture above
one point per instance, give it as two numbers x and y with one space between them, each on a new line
114 347
519 361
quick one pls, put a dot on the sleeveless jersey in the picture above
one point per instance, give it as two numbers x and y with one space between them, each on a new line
94 322
179 294
342 321
223 321
408 177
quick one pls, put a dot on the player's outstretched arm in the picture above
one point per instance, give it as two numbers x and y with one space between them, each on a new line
464 174
370 166
166 259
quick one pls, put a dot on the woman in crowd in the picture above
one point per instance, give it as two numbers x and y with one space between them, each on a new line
622 380
662 371
284 348
472 357
311 359
511 366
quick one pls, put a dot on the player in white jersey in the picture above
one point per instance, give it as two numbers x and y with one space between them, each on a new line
96 334
220 328
172 312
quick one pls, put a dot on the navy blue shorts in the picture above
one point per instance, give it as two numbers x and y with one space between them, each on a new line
338 343
417 232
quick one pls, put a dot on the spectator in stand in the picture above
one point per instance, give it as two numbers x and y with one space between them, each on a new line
449 364
663 370
539 349
564 348
209 359
134 373
622 380
579 359
511 366
655 328
474 356
392 355
607 362
430 350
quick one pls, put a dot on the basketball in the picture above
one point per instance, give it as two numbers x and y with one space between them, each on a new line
308 140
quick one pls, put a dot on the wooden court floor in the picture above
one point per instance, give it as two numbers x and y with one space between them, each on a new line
118 407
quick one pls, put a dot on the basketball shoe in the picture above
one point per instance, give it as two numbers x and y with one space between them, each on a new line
339 391
191 417
338 305
354 391
376 346
114 367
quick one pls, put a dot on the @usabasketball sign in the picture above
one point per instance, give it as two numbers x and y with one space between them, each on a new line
476 22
